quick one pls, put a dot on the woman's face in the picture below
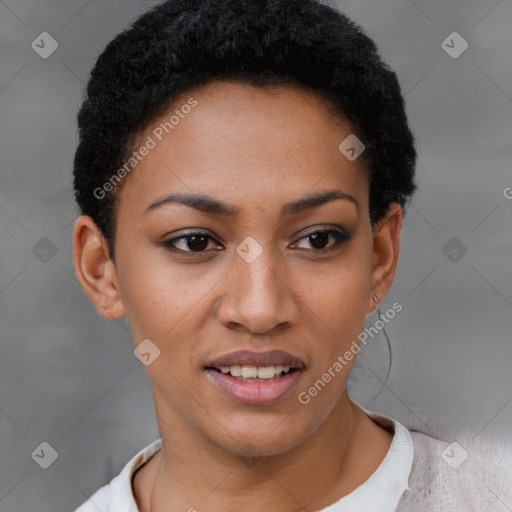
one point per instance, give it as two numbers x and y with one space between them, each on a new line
260 274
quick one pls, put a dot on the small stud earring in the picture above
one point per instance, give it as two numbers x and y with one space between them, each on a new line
376 300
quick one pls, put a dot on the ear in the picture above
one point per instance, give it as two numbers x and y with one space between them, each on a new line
95 270
386 246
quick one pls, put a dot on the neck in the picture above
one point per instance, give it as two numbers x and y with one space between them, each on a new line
191 472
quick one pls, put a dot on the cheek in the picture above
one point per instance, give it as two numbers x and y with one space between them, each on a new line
166 301
337 309
155 294
340 296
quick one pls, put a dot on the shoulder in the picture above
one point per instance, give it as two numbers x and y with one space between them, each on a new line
98 501
457 476
117 496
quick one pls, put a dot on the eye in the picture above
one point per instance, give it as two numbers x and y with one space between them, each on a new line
199 242
191 242
319 240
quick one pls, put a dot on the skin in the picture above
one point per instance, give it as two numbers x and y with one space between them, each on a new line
257 150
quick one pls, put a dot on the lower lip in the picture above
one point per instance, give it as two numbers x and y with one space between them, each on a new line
255 393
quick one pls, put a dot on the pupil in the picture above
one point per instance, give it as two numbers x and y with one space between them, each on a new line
197 242
319 240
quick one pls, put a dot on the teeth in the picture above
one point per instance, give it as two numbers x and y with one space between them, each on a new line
266 372
236 371
255 372
249 372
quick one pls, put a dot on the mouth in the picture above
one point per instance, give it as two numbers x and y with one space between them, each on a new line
254 378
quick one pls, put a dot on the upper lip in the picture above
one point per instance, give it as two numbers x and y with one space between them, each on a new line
249 358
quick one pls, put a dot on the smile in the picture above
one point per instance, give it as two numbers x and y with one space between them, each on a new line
255 378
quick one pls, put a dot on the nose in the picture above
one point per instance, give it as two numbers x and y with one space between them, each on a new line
258 297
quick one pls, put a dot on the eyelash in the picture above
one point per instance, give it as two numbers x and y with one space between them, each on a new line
339 236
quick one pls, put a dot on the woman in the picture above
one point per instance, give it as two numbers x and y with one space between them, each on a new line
243 171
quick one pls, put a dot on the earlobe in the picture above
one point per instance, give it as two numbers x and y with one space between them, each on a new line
386 247
95 271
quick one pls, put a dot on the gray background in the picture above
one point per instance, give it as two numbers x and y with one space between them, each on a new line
69 377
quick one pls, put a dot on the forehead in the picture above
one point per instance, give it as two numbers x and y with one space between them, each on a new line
243 144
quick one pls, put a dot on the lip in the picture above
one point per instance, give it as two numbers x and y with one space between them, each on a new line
251 358
255 393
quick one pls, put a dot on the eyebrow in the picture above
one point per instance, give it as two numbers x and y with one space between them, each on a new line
210 205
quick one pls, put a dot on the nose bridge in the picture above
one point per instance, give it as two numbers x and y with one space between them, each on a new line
259 277
259 296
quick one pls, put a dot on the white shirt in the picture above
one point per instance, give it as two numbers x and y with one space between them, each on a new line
380 493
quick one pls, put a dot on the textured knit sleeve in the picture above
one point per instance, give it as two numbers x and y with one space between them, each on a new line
470 476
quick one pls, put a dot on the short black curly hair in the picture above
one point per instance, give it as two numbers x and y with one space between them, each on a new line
181 44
